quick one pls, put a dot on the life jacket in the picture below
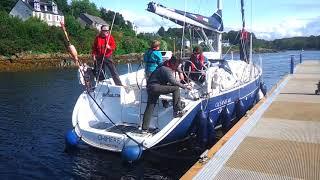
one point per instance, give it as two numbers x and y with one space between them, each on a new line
197 61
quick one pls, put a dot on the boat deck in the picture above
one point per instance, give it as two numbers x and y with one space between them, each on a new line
279 139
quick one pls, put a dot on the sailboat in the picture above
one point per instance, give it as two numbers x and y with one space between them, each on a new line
109 117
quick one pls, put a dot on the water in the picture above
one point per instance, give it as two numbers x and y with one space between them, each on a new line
35 113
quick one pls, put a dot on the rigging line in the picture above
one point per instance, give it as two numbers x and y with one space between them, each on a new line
122 131
105 50
231 45
80 63
251 16
184 24
140 65
107 43
200 36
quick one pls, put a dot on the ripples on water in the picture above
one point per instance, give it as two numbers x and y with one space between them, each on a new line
35 113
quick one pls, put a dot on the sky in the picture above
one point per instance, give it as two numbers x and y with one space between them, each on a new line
268 19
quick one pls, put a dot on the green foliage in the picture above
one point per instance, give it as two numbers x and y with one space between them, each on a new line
36 36
63 6
83 6
161 32
297 43
164 45
7 5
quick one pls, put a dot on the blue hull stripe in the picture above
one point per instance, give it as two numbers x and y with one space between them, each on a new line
215 106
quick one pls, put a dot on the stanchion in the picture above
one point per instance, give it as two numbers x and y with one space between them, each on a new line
292 64
300 58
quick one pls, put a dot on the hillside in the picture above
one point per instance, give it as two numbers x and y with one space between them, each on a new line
35 37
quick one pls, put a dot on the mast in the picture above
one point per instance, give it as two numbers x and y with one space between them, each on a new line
244 38
219 34
242 13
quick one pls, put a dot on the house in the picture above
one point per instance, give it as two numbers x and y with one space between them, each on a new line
46 10
200 40
225 43
91 21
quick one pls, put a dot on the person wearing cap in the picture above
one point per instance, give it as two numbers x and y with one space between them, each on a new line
162 81
102 49
152 58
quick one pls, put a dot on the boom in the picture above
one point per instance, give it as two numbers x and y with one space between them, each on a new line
213 23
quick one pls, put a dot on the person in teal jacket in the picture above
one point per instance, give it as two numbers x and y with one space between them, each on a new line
152 58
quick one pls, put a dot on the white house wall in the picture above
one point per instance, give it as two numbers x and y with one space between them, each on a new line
21 10
50 19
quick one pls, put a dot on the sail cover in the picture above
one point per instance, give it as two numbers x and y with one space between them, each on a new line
213 23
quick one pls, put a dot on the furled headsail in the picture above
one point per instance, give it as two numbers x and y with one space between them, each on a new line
213 23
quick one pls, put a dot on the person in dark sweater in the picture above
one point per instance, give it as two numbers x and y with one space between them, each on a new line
162 81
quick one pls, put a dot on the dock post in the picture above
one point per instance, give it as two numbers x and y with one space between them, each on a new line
292 64
300 58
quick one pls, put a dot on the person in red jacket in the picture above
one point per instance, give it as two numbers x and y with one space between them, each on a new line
102 50
197 64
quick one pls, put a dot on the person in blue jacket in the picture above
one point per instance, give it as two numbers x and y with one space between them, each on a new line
152 58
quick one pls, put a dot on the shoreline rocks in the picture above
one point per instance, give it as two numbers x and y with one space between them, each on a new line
35 62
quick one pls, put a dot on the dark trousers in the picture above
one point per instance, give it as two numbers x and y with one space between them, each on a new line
154 91
107 63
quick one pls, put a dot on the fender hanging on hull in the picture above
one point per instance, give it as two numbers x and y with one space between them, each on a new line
226 119
203 129
240 109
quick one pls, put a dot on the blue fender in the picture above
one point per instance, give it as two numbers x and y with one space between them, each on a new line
203 128
263 88
240 109
226 119
71 139
131 153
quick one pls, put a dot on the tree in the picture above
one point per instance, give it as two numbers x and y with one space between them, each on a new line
63 6
161 32
7 5
83 6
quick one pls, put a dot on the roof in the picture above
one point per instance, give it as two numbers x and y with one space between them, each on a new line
30 5
94 18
